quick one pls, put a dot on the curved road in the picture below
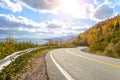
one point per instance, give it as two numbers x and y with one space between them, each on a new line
73 64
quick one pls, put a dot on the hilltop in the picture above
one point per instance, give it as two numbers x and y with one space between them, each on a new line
103 38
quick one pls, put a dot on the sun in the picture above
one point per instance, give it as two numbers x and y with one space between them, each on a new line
69 6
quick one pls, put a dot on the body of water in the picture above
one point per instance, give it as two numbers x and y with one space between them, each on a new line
33 40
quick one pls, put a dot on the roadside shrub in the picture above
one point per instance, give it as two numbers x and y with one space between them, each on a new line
117 49
10 45
112 53
114 40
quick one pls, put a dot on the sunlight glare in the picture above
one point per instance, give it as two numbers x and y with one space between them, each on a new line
69 6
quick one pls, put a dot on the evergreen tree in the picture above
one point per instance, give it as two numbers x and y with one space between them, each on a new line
117 26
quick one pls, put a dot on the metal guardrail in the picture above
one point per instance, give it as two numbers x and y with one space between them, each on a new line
7 60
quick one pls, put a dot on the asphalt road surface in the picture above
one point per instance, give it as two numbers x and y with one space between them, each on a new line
73 64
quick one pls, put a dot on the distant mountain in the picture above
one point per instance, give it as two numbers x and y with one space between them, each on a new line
103 38
69 38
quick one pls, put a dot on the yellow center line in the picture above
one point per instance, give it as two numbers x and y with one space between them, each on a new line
95 60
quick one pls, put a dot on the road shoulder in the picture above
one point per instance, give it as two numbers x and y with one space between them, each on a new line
36 69
52 70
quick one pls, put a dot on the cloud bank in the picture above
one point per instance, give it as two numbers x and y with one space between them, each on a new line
21 25
104 12
13 6
41 4
100 9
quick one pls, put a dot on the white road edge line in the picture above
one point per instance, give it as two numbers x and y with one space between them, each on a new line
67 75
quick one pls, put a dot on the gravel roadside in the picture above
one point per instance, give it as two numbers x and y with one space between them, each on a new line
36 69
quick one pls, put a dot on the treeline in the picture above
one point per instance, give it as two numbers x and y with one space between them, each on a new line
103 38
59 44
9 46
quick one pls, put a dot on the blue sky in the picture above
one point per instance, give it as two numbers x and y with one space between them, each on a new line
52 18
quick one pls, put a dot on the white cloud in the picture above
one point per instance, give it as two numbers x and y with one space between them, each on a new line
88 10
11 25
32 30
40 4
13 21
104 11
36 5
14 6
83 11
99 2
1 28
56 24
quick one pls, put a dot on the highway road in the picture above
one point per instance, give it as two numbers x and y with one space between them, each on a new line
7 60
74 64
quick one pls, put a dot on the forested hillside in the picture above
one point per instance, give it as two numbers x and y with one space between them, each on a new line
103 38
